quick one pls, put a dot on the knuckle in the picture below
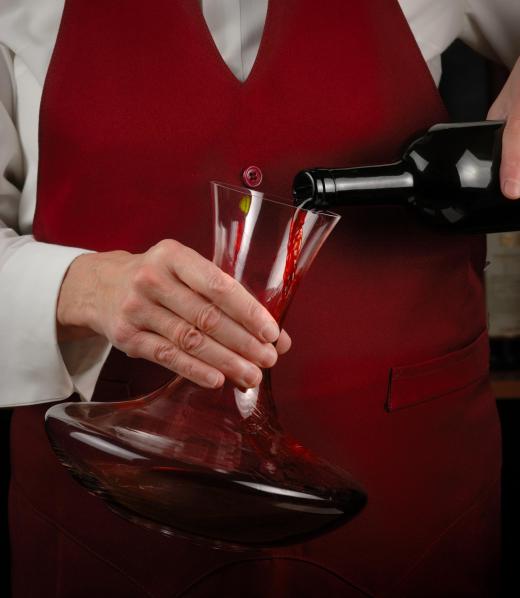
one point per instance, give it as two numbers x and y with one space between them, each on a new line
209 318
167 355
172 330
145 277
133 347
122 333
131 305
221 283
189 370
269 358
189 339
166 247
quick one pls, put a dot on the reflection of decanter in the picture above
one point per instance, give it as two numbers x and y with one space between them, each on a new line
215 465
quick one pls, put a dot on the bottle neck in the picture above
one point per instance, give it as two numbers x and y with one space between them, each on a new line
385 184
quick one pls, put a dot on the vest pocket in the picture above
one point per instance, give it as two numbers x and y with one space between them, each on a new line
420 382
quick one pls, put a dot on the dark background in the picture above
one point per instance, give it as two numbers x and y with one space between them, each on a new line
5 416
468 86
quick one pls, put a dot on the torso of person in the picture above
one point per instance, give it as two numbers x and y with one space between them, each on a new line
388 376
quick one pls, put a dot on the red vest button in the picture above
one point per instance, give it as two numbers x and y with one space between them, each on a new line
252 176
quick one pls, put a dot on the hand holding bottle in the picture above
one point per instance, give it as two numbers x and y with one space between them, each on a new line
173 307
507 107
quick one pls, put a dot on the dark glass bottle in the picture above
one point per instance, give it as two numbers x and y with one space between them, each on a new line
449 177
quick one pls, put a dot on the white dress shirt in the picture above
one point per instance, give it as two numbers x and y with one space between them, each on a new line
34 367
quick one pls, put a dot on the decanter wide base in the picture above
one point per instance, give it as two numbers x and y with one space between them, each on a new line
233 509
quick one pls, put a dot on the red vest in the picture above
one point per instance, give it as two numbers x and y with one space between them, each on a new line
388 372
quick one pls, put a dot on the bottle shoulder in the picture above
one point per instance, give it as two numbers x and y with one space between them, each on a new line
445 140
467 151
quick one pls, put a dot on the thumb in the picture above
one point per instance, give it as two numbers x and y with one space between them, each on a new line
510 167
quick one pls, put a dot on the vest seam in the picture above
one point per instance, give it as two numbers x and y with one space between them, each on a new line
391 407
481 497
207 574
39 513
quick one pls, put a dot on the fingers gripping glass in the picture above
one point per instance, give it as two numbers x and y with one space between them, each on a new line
215 465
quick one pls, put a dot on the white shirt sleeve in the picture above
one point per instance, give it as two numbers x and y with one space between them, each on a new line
33 367
492 27
435 25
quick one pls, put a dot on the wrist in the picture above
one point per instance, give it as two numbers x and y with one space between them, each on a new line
77 313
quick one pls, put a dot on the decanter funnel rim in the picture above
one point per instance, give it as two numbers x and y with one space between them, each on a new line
276 199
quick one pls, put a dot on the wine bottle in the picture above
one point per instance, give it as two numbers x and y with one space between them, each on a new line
449 177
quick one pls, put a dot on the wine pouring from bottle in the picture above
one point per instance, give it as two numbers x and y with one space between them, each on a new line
449 177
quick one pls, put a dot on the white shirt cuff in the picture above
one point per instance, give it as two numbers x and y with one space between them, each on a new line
84 359
34 370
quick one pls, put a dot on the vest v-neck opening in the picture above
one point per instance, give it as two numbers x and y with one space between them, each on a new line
220 62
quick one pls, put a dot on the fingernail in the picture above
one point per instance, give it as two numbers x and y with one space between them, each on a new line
214 379
269 356
286 348
270 332
252 377
512 189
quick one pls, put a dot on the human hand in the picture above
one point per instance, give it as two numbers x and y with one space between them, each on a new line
507 106
173 307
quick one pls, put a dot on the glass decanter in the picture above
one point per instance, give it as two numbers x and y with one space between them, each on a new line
215 465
